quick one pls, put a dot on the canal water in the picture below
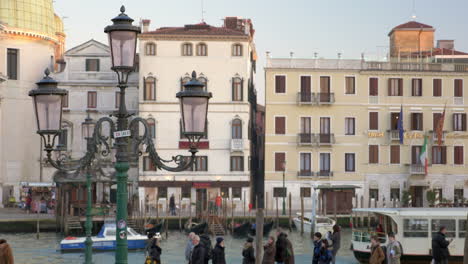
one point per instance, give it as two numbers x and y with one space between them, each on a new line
27 249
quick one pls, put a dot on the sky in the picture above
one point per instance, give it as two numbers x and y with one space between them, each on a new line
304 27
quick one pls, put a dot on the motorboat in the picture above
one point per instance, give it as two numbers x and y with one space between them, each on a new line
414 229
105 240
323 224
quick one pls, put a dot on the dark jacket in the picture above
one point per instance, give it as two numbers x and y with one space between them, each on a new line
155 252
336 242
248 254
218 255
205 241
440 247
198 254
316 254
284 250
269 254
172 202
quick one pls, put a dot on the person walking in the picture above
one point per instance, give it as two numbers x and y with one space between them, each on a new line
393 250
205 241
248 252
269 250
377 254
317 247
189 247
198 252
440 252
325 254
284 249
154 252
218 252
336 241
149 242
6 254
172 205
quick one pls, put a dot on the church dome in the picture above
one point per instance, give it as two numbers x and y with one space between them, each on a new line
33 15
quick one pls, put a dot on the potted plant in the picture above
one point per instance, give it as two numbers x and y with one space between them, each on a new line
431 197
405 199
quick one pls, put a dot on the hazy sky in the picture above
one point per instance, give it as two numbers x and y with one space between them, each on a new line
302 26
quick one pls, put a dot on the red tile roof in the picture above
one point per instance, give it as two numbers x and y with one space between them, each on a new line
439 51
412 24
197 29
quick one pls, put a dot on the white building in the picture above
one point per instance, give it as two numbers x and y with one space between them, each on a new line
31 40
224 58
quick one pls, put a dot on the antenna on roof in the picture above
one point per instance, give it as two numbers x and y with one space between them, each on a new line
413 16
202 12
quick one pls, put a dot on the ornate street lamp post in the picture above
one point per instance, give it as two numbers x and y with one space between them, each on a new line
194 108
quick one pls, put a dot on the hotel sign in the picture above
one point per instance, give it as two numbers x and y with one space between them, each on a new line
414 135
375 134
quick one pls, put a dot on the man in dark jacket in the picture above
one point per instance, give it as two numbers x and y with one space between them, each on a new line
440 251
218 252
248 252
172 205
317 248
198 252
205 241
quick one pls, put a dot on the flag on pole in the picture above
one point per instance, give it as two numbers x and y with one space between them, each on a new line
440 127
400 125
423 155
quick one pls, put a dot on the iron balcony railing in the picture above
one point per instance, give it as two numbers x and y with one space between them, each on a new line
394 135
306 98
435 137
326 139
417 169
305 173
305 139
325 173
325 98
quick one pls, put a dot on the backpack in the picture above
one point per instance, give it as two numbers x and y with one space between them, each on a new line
206 242
384 249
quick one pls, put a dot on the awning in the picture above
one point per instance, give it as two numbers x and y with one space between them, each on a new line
336 187
37 184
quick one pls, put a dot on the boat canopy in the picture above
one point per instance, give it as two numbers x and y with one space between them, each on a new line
417 212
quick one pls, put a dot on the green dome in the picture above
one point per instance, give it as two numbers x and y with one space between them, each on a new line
35 15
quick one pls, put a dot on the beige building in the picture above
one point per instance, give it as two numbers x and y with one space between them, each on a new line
334 124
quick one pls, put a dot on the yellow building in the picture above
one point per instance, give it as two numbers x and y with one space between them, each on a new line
334 124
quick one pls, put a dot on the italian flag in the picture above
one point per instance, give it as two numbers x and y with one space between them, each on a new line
423 155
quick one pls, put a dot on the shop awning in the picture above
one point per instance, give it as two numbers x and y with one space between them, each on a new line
336 187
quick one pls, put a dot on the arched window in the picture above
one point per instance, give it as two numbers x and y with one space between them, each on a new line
237 49
236 127
202 49
237 89
187 49
150 49
149 91
151 127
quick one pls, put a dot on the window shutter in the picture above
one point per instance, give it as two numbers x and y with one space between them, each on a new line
87 65
242 89
400 87
443 149
413 121
373 120
435 120
280 125
395 154
144 88
458 153
279 159
458 88
232 89
373 87
280 84
390 86
463 122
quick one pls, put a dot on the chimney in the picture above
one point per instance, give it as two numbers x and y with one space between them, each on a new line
145 25
230 22
446 44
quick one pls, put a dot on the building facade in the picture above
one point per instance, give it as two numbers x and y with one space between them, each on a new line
31 40
223 58
336 125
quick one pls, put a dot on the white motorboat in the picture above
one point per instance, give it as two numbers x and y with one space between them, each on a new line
323 224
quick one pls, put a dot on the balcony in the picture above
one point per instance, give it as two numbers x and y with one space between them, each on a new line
394 135
435 138
305 139
237 144
325 98
324 173
417 169
305 98
325 139
305 173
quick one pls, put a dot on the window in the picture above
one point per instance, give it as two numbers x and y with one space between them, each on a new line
416 87
12 64
350 85
439 155
448 223
458 158
236 127
237 163
458 88
186 192
63 139
237 192
148 165
325 95
224 192
306 192
395 154
417 121
458 194
150 49
305 163
306 93
435 120
200 164
92 99
373 120
279 192
237 50
92 65
237 89
117 100
65 101
373 86
162 192
395 87
461 228
280 84
350 162
373 154
151 127
394 121
415 227
187 49
394 194
459 122
437 87
149 92
305 125
415 153
280 158
202 49
324 164
350 126
374 194
280 125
